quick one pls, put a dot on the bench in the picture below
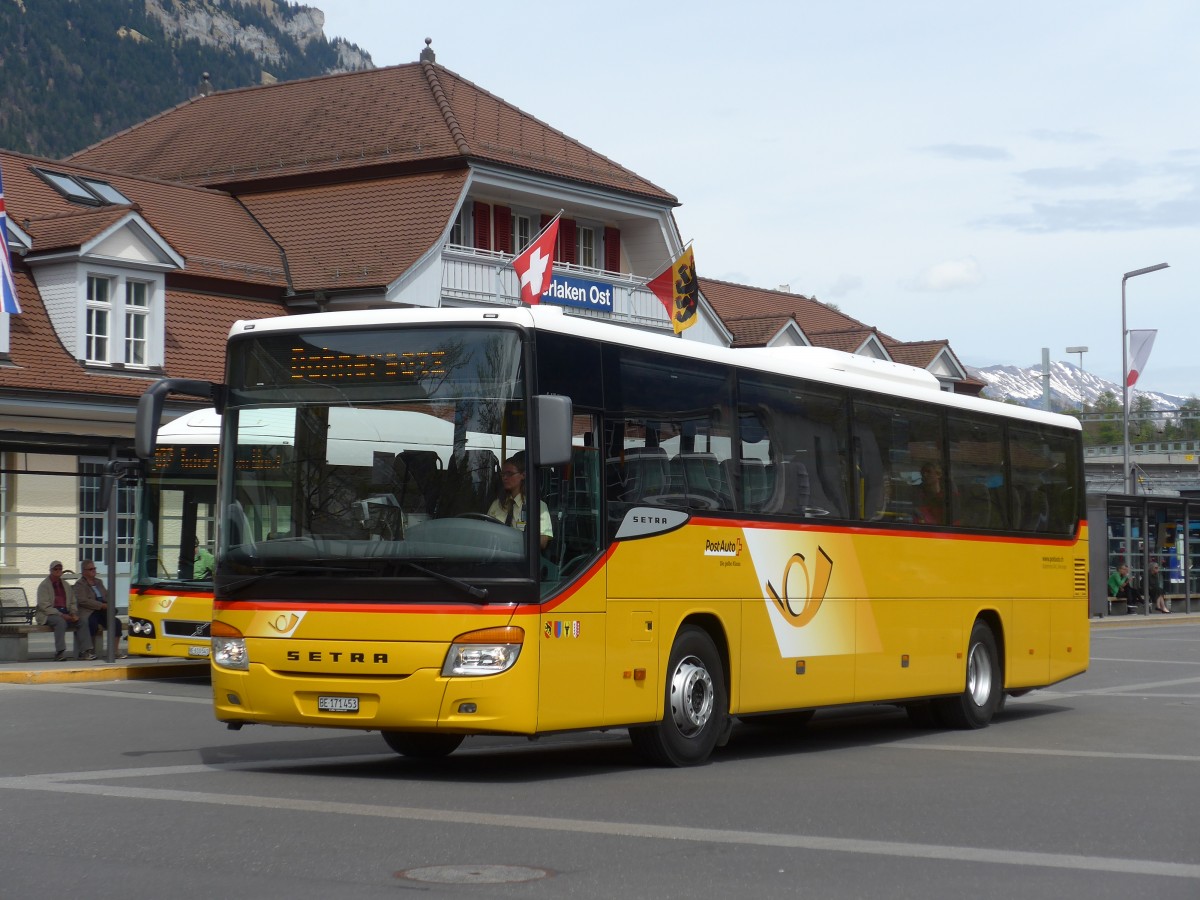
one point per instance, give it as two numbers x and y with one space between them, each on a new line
16 624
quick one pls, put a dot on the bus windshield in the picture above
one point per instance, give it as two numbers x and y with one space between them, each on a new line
390 471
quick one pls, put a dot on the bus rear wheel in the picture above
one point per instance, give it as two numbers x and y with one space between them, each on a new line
696 705
984 691
418 745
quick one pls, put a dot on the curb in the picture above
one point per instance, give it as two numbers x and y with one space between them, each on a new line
106 672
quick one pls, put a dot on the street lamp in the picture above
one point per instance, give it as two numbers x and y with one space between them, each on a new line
1079 377
1125 470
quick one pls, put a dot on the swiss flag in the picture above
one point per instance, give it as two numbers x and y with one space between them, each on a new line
535 264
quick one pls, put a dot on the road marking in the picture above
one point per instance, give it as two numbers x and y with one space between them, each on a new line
1036 751
77 783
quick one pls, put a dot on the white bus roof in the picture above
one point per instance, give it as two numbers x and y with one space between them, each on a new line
821 364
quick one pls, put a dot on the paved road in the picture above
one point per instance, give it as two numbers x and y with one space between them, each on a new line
132 790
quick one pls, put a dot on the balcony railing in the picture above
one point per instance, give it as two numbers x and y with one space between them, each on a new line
486 276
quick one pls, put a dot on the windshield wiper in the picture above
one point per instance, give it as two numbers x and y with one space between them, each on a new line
466 587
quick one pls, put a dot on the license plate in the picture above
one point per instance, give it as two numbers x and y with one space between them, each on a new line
337 704
198 651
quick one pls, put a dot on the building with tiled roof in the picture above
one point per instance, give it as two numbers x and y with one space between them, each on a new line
401 186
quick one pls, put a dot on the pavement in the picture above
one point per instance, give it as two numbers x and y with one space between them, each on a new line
41 667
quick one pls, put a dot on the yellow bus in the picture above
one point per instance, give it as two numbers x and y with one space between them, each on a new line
720 533
170 603
171 591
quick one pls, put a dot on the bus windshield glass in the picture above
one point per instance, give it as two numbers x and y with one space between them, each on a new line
390 470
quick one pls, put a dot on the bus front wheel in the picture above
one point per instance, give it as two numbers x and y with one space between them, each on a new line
696 705
984 691
417 745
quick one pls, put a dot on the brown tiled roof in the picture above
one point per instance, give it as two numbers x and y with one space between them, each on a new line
198 326
740 301
356 234
755 331
402 118
210 229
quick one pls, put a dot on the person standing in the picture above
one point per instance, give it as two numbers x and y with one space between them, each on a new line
91 601
56 608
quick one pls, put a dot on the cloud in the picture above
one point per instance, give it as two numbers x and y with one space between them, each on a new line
1104 214
951 275
1064 137
845 284
967 151
1113 173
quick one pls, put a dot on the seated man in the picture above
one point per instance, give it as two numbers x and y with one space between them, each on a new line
56 608
1120 585
91 602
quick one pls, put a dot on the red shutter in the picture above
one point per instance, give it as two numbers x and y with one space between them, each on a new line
612 249
503 219
568 249
483 226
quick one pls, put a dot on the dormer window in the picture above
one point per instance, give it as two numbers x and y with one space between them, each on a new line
117 321
83 189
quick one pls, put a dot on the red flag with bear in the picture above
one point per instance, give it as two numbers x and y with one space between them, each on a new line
676 287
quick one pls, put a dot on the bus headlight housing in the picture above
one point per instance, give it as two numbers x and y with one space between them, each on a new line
486 652
229 647
141 628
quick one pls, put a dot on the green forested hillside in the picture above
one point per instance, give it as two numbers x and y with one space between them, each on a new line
75 71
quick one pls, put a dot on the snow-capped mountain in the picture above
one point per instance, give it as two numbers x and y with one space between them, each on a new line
1068 383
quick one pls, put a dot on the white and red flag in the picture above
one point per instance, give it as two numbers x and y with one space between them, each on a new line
8 290
535 264
1140 344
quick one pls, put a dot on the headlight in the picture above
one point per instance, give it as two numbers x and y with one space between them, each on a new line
229 647
486 652
141 628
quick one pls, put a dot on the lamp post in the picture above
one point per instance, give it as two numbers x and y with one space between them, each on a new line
1125 470
1079 377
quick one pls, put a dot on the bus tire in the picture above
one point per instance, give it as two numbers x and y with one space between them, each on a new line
696 705
984 692
422 745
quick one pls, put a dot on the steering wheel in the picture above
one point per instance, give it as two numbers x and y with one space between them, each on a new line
474 515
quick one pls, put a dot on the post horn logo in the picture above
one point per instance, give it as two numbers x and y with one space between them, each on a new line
284 623
799 611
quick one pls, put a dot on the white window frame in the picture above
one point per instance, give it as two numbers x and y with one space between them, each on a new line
98 319
585 246
137 322
522 231
114 330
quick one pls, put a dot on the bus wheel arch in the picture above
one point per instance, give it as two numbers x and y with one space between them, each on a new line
983 692
696 702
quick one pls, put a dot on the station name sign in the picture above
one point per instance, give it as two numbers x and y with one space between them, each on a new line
580 293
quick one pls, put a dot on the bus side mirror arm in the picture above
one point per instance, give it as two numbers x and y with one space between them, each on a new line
150 404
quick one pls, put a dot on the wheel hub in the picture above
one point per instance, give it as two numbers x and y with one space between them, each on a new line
692 696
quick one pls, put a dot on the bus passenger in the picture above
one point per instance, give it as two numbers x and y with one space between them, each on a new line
509 508
931 510
56 608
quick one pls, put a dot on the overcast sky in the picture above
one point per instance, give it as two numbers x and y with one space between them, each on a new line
983 173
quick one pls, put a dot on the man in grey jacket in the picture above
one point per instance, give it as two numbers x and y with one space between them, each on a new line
56 608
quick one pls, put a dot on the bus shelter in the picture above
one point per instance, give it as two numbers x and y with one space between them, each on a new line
1136 530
